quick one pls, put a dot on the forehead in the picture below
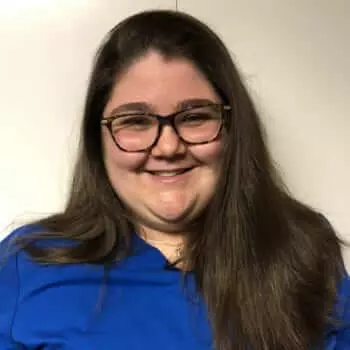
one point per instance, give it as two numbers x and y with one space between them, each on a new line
160 83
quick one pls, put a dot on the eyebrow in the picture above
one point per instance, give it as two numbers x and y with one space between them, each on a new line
131 106
145 107
194 102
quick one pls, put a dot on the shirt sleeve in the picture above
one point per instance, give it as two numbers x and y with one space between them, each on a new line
9 290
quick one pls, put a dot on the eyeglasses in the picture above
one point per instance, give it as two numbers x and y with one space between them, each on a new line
139 131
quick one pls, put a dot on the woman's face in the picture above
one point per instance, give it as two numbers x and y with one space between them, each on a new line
147 182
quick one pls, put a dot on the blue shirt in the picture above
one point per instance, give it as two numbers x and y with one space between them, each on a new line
141 306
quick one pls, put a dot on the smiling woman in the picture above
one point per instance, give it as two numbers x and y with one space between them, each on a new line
176 214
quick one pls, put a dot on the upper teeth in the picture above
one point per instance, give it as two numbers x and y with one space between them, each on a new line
167 173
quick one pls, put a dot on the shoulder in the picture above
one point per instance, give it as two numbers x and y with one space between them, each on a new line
8 246
15 262
338 336
343 299
11 255
19 232
20 272
35 234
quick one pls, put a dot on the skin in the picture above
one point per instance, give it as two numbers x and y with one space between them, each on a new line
162 209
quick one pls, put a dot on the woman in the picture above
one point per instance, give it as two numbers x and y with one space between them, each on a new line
177 233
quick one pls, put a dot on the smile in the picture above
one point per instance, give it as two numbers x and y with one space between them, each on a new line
169 173
170 176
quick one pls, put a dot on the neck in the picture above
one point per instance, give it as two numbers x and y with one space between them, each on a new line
161 237
169 244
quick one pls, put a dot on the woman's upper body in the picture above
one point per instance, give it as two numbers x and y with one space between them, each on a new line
172 151
144 304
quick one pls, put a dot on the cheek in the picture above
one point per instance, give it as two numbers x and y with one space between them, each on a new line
209 154
117 160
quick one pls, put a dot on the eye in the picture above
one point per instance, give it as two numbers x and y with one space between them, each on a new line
134 122
196 118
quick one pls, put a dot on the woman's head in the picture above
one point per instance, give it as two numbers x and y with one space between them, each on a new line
169 184
163 62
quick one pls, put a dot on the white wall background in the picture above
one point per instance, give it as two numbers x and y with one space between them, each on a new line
294 55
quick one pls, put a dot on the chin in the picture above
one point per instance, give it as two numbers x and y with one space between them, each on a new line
175 224
175 216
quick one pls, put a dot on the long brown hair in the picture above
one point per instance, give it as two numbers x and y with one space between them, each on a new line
266 265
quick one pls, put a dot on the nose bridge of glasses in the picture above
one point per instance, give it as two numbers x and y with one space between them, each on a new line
167 120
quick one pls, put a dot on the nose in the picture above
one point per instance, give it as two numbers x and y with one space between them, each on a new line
169 144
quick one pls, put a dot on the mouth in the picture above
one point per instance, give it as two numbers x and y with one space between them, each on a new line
169 173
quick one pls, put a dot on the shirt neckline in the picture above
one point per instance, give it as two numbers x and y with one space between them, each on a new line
152 255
